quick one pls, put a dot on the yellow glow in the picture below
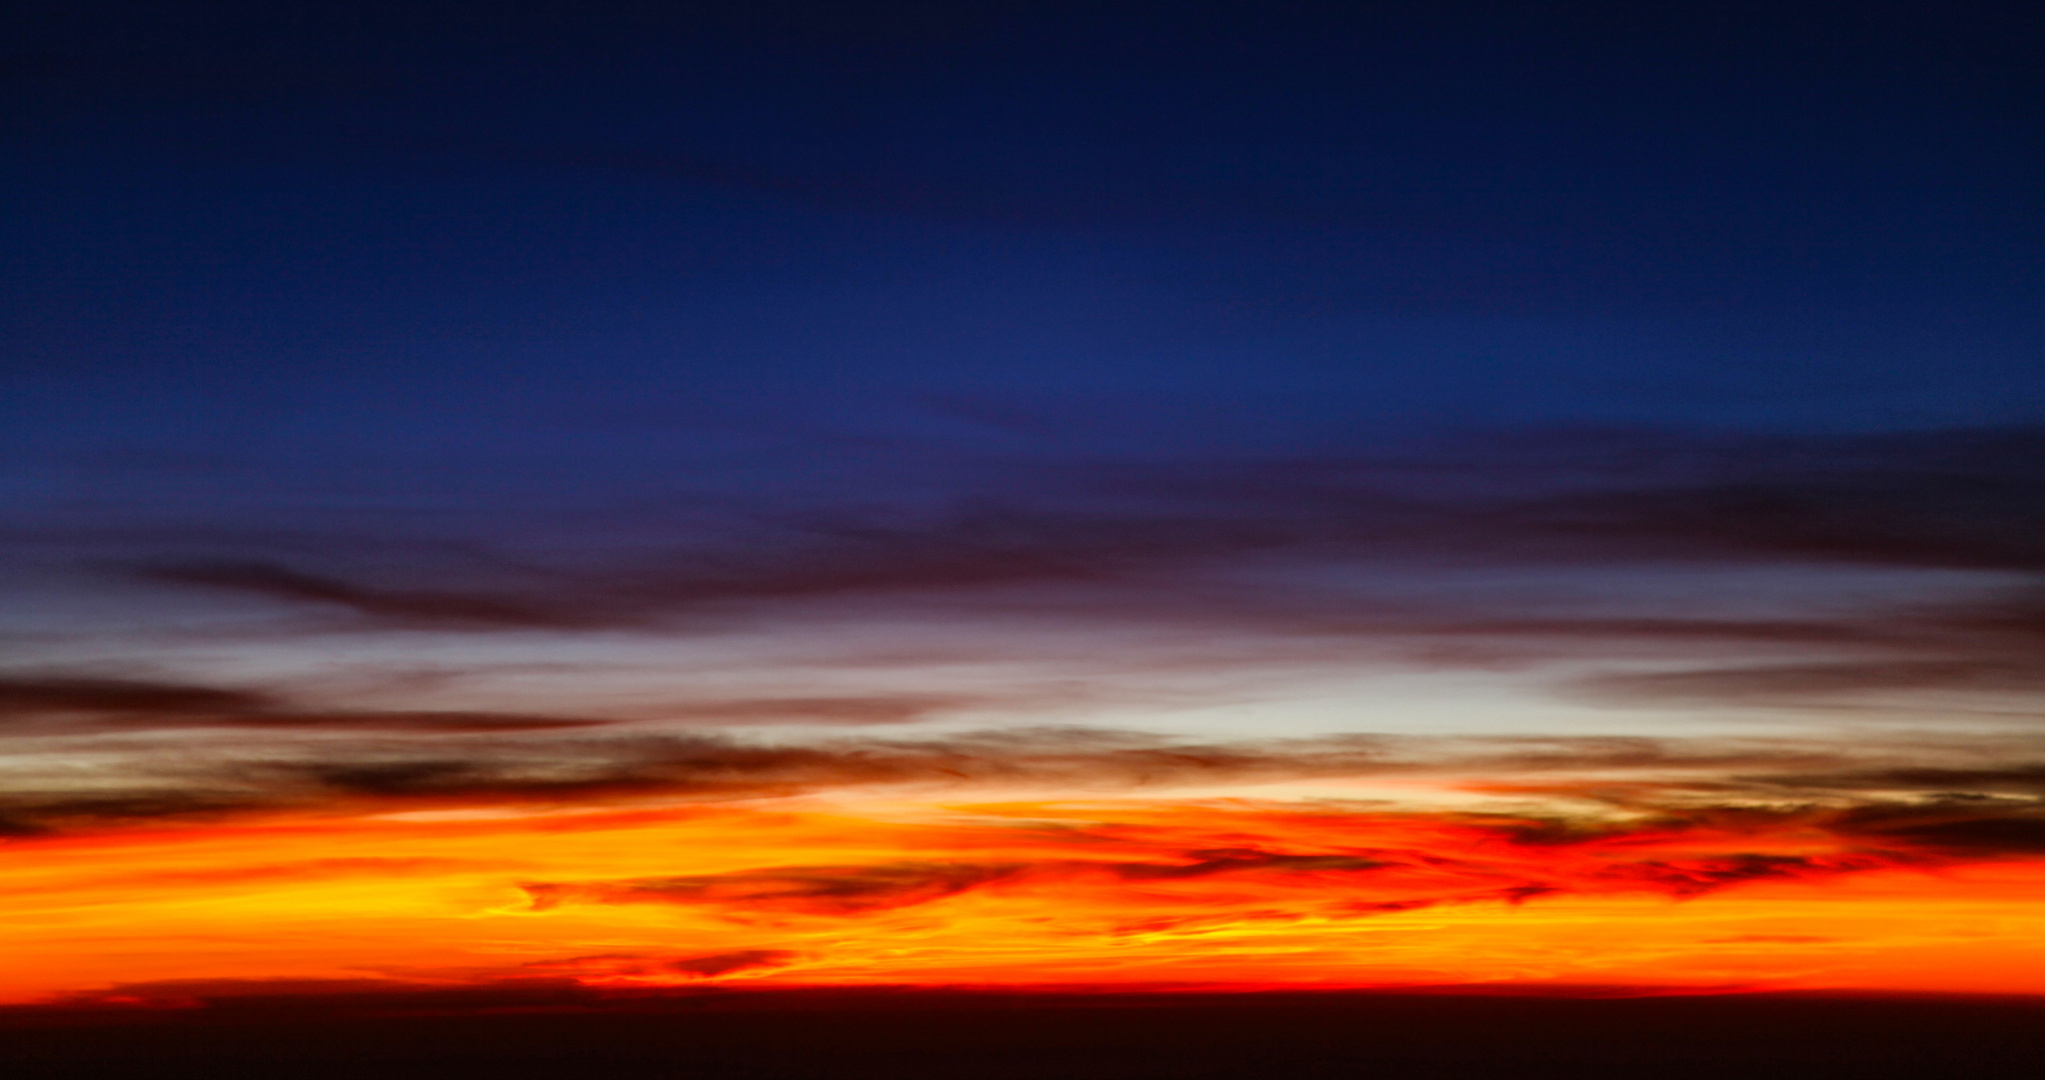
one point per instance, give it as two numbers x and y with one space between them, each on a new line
1109 893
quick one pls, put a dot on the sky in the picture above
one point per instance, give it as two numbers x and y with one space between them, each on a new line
1032 495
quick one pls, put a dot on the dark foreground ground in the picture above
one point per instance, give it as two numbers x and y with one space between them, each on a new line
979 1036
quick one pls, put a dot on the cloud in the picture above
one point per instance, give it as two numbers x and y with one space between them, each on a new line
1695 877
402 720
857 890
2016 776
1785 682
275 998
1213 861
808 890
536 769
543 770
1191 543
1956 828
808 557
709 765
852 890
26 696
1602 628
36 702
850 710
429 608
725 963
73 702
1354 863
25 811
1924 800
1964 499
1986 646
639 965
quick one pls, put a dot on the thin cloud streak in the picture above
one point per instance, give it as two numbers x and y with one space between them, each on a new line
1194 543
32 704
60 695
1963 794
1361 862
1960 500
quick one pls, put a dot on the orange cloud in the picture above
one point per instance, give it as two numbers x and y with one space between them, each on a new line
1106 893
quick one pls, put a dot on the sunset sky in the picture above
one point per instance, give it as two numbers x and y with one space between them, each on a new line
1031 495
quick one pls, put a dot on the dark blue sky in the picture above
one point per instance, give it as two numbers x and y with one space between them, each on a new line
465 318
431 229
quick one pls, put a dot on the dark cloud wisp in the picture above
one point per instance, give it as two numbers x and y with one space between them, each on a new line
1179 541
44 704
1961 500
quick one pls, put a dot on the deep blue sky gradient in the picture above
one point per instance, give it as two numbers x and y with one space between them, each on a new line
278 228
483 321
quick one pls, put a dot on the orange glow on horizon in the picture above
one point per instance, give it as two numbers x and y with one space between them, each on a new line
1107 893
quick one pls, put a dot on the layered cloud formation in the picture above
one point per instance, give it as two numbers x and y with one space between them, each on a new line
1751 705
529 501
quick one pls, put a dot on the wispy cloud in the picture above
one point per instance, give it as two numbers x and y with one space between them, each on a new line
45 704
1347 863
35 696
1962 499
423 608
1920 783
816 890
640 965
1195 543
